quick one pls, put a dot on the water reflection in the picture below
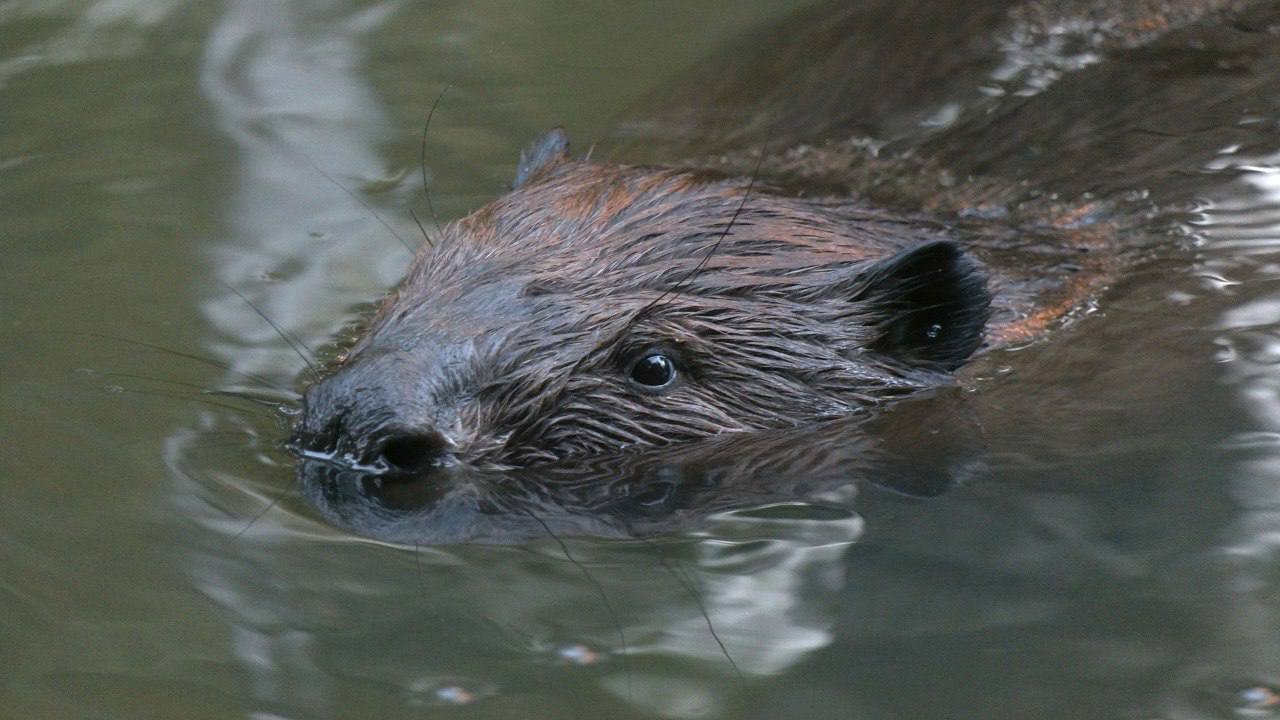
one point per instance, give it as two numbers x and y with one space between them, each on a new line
922 448
284 82
734 561
1239 226
99 30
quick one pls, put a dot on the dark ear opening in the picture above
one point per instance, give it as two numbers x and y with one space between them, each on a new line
543 153
929 305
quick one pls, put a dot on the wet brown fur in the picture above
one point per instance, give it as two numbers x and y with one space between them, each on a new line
519 326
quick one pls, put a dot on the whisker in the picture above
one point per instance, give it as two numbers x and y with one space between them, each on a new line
177 383
272 402
208 433
196 399
681 284
604 597
296 345
702 608
697 269
363 204
421 229
189 356
216 446
260 514
258 396
423 161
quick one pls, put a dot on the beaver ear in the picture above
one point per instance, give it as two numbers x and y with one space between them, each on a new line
929 305
543 153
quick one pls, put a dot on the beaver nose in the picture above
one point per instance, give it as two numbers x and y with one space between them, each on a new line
407 452
369 416
385 450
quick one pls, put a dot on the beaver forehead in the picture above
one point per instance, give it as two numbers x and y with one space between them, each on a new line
633 227
424 315
584 245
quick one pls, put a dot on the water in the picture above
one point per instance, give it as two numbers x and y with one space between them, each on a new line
1094 534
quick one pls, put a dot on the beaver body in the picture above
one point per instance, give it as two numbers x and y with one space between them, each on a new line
598 308
602 307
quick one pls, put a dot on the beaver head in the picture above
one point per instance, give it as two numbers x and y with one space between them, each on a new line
601 307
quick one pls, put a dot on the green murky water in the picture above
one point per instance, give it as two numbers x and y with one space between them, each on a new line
1116 553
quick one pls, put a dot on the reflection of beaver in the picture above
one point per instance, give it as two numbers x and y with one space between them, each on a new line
599 307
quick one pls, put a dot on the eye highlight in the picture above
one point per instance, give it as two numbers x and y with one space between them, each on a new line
653 371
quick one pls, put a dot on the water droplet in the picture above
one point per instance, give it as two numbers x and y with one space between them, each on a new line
427 691
454 695
1225 352
578 654
934 331
1225 699
1258 701
1217 281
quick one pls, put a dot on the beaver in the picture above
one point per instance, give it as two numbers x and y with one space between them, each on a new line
797 308
600 307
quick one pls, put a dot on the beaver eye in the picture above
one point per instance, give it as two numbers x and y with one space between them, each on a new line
654 371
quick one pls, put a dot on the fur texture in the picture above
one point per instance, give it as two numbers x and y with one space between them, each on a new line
510 342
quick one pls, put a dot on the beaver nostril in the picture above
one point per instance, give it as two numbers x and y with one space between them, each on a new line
412 453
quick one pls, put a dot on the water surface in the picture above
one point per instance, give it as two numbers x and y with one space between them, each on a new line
1109 551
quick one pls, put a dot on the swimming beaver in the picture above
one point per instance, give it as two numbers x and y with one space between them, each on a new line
601 307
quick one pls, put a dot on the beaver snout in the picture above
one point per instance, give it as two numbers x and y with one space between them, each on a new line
363 419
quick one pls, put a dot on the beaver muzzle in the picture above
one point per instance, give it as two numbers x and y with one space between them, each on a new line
365 418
